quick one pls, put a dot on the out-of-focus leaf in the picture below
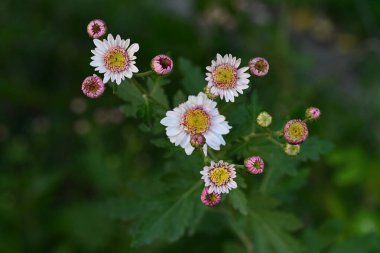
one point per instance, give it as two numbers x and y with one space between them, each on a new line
157 92
193 79
239 201
130 94
313 148
179 98
272 229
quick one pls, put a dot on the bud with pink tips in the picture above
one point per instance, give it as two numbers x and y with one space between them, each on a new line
162 64
254 164
93 86
312 113
210 199
96 28
258 66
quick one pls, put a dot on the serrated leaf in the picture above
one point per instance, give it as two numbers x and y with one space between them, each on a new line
313 148
156 91
171 205
130 94
239 201
193 79
169 220
272 229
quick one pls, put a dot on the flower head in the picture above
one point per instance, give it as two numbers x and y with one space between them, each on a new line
264 119
197 140
210 199
198 115
295 131
312 113
292 150
258 66
96 28
162 64
93 86
254 164
115 58
225 79
219 177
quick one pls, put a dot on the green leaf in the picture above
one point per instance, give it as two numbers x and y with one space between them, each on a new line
170 205
156 91
239 201
130 94
313 148
272 229
179 98
169 220
193 79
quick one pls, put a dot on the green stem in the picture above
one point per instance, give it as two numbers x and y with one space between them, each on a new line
248 244
144 74
212 155
276 142
145 93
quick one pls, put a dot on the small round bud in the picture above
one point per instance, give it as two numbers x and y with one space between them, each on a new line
264 119
197 140
209 94
258 66
292 150
162 64
312 113
295 131
96 28
93 86
210 199
254 164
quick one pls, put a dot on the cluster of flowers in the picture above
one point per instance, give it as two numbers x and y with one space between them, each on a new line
196 123
115 59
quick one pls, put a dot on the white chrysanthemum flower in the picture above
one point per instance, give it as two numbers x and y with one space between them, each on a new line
115 58
225 79
219 177
198 115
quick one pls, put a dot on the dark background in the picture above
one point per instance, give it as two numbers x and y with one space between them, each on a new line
60 152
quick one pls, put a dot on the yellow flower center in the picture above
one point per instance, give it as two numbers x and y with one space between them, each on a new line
296 131
219 176
211 197
116 59
196 121
225 76
257 165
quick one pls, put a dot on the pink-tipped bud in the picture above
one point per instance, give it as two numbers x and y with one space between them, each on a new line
162 64
197 140
210 199
96 28
258 66
93 86
312 113
254 164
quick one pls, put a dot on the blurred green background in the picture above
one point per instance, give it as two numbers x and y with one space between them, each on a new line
61 153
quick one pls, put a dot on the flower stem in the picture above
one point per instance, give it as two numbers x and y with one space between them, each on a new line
145 93
144 74
248 244
271 139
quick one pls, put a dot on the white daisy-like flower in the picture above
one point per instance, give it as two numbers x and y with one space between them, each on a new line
198 115
219 177
114 58
225 79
